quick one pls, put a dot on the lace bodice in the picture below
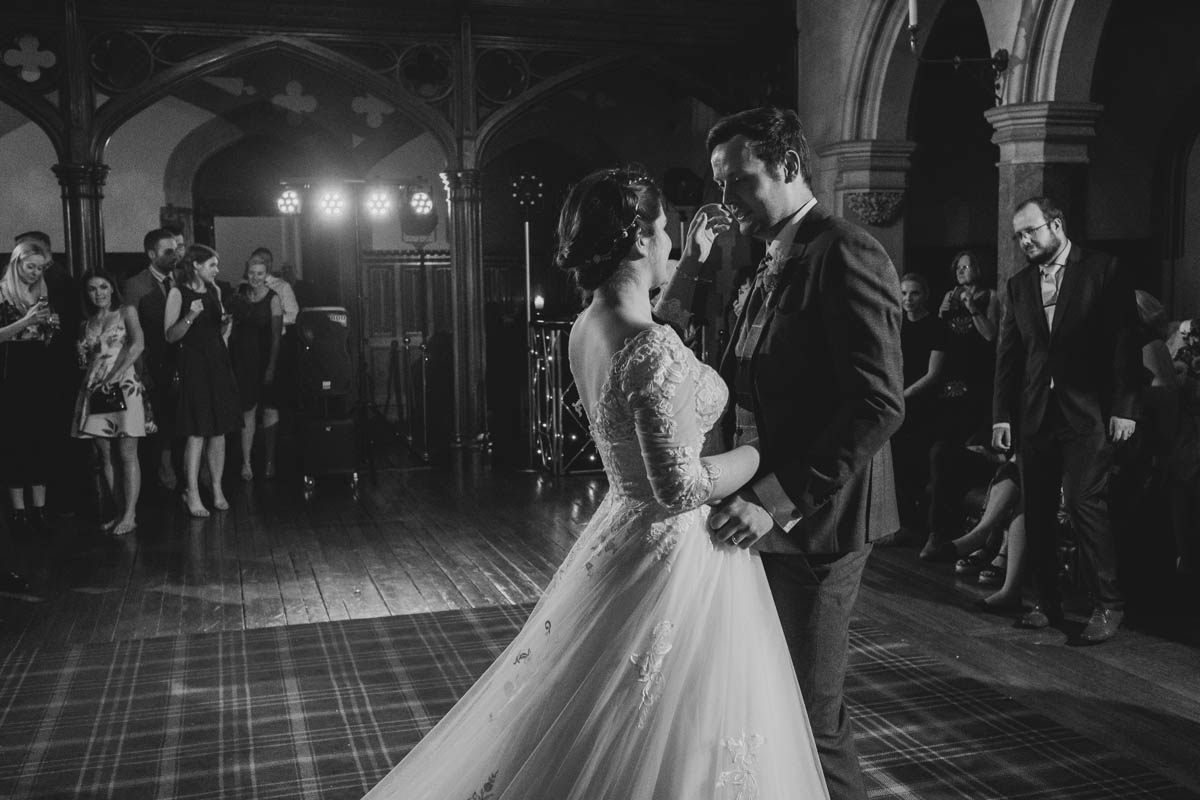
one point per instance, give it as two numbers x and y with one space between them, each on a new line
655 407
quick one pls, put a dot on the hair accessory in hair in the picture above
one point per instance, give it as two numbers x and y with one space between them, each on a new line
625 233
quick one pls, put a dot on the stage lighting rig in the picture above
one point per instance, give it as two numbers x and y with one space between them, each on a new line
379 202
288 202
418 217
332 203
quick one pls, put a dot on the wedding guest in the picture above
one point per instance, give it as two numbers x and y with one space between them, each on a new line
1183 474
207 407
289 344
146 293
71 480
971 314
1067 375
27 325
110 343
923 341
254 347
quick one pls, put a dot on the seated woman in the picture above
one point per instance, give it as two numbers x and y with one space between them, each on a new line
254 348
208 406
995 546
110 341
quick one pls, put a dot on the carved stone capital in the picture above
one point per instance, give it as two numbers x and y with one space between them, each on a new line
877 208
81 175
462 184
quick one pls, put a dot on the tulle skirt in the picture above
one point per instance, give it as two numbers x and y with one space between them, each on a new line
653 667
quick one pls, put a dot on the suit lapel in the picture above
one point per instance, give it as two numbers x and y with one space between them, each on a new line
1068 289
1034 286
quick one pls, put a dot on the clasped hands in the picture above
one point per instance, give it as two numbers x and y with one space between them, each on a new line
740 521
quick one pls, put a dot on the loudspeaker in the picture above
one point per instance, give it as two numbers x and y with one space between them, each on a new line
323 366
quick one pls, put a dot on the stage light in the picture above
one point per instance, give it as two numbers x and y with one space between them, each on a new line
379 203
288 202
332 203
418 217
421 203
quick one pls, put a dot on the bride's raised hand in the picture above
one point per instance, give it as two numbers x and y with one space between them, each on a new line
710 221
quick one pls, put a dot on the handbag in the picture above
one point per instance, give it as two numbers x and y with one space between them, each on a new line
106 400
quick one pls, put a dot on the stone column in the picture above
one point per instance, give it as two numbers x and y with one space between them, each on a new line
82 193
866 182
1043 151
468 427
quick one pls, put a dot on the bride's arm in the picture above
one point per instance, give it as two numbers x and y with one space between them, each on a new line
661 389
731 471
677 300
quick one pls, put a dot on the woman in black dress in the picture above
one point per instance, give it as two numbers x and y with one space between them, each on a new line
254 346
971 313
923 342
27 324
207 406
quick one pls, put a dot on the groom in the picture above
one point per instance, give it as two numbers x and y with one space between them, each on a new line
814 367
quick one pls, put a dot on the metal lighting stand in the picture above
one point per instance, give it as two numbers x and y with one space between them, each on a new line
528 191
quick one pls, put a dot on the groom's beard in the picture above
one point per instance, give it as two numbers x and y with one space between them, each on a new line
1043 255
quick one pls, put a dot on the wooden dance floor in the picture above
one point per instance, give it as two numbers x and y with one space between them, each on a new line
417 542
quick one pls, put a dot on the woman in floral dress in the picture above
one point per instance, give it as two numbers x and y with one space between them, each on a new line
110 341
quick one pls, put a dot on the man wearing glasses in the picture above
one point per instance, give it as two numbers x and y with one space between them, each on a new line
1067 370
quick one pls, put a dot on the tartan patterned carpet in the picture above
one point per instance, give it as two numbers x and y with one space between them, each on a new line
324 710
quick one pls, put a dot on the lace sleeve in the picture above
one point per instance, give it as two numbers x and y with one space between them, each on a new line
659 382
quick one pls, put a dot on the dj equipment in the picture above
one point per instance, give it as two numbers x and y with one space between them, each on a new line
323 366
324 381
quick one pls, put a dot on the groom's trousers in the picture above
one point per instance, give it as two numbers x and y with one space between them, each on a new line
815 596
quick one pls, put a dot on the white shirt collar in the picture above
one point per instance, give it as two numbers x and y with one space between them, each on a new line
1060 260
782 242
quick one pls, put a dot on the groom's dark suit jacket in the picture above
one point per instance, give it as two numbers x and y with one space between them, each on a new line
1091 352
828 386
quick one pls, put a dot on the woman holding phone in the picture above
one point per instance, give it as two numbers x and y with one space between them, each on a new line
207 407
27 323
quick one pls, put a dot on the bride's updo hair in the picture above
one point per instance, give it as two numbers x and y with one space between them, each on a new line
602 216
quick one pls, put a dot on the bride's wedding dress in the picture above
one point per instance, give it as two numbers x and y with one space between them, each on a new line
654 666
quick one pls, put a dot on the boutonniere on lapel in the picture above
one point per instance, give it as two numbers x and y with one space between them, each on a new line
773 276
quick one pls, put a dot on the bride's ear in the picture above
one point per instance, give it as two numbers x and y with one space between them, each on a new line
641 243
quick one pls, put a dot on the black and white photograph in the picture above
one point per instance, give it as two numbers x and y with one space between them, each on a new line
600 400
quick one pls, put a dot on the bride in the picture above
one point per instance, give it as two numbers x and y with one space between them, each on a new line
654 666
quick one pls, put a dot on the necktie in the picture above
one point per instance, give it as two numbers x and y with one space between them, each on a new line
749 332
165 284
757 289
1051 277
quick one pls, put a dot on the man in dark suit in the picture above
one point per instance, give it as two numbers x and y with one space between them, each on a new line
1067 371
814 366
146 293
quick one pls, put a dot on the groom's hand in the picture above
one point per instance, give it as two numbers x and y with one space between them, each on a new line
740 522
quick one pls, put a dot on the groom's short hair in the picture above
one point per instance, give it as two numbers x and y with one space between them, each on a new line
772 130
